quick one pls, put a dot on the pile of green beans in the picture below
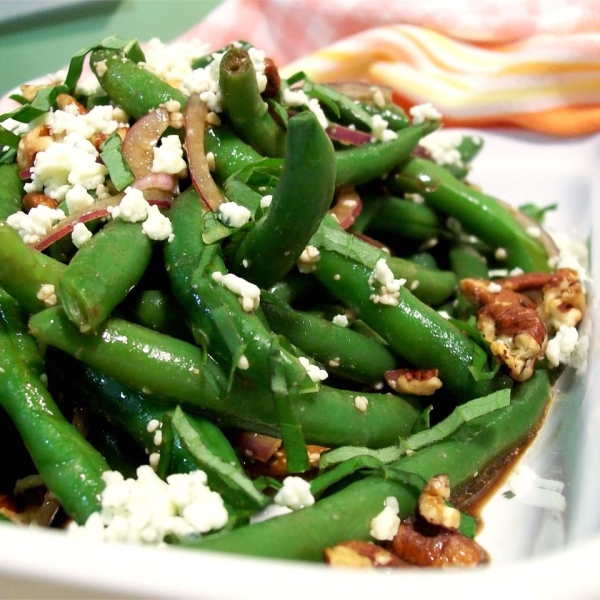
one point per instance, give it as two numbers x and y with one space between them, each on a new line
141 330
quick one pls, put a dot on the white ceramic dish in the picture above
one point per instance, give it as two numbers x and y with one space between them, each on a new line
536 553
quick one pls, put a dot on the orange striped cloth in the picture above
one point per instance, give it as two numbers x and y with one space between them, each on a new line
485 63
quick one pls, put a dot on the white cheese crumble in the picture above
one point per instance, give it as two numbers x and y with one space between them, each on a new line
78 198
104 119
530 488
47 294
361 403
248 292
314 371
424 112
295 493
341 320
386 285
500 254
205 81
567 348
380 131
147 509
385 525
168 157
494 288
265 201
243 363
442 146
416 198
32 226
572 255
308 259
133 206
233 214
296 98
157 226
80 235
65 164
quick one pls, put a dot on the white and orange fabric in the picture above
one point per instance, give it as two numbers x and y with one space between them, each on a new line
532 64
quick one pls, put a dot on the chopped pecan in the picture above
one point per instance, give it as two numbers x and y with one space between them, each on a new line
34 141
64 100
436 547
34 199
359 554
420 382
563 300
432 503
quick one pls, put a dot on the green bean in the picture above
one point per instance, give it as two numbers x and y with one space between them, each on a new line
394 115
24 270
244 106
11 190
300 201
70 467
413 330
374 160
218 321
102 272
479 213
347 514
169 370
12 315
158 310
344 351
130 412
231 154
405 219
162 366
129 85
432 286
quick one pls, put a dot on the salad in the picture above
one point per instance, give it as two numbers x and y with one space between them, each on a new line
257 314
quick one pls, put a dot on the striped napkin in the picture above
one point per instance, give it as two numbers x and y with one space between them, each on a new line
483 63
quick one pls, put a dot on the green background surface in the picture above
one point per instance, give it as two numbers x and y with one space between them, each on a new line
43 42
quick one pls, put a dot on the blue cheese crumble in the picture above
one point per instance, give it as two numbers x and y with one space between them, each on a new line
146 510
248 292
233 214
424 112
386 286
294 494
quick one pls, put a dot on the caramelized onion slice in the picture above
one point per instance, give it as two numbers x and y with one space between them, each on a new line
141 139
195 124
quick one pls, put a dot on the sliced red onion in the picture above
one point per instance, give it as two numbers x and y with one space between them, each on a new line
25 174
345 135
141 139
156 181
195 123
347 207
97 210
258 446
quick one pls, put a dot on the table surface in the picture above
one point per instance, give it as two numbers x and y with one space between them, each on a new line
39 36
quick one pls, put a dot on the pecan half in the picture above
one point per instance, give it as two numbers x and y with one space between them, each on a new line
420 382
34 199
510 322
438 547
360 554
